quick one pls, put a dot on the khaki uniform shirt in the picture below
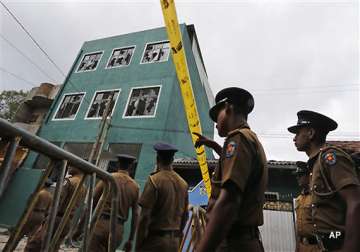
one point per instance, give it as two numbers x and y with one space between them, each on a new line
68 189
304 224
128 193
243 162
39 213
34 243
43 201
329 213
167 194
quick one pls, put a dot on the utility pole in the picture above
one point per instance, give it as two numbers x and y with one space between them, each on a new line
94 158
95 152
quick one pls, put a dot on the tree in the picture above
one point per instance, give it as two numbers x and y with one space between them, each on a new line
10 100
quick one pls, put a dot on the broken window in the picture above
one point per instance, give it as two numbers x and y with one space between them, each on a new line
271 196
121 57
89 62
143 102
156 52
100 100
69 106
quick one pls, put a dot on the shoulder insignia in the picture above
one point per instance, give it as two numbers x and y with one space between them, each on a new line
330 158
152 181
154 172
66 181
230 149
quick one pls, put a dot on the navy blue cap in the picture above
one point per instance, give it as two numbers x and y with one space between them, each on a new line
236 96
125 157
313 119
48 182
165 147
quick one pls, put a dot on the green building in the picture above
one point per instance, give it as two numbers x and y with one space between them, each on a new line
136 74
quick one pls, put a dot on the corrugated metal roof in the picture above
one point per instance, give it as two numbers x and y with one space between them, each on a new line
190 162
349 145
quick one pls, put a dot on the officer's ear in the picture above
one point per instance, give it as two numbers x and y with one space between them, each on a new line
311 133
229 108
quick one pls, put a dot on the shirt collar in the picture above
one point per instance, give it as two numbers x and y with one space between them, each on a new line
123 171
312 159
241 126
305 191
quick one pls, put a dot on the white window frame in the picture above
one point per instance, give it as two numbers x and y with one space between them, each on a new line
92 100
276 194
155 42
86 71
144 116
119 48
62 100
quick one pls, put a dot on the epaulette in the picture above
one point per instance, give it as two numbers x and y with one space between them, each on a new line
66 181
153 173
328 154
234 132
152 179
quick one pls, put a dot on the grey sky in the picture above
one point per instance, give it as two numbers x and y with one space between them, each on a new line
291 55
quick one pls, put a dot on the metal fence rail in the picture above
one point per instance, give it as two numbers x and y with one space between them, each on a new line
194 229
60 159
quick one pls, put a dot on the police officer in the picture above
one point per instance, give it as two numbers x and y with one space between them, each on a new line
235 208
40 210
304 225
129 195
164 205
334 185
71 182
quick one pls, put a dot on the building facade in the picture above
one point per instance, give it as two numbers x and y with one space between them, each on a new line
135 73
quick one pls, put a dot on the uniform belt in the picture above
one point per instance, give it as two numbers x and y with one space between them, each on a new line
243 232
39 210
119 219
308 240
332 244
176 233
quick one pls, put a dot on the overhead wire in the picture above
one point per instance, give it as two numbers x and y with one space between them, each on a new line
291 136
41 49
26 57
259 91
154 129
18 77
342 86
256 91
31 37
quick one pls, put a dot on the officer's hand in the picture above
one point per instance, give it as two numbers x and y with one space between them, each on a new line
77 235
202 140
128 246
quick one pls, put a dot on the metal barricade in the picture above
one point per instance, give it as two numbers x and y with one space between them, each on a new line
194 229
59 160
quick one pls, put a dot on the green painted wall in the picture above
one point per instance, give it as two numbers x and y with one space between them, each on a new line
169 124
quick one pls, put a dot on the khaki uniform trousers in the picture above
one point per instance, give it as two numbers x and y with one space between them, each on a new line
237 245
307 248
33 223
38 238
160 243
100 238
311 248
